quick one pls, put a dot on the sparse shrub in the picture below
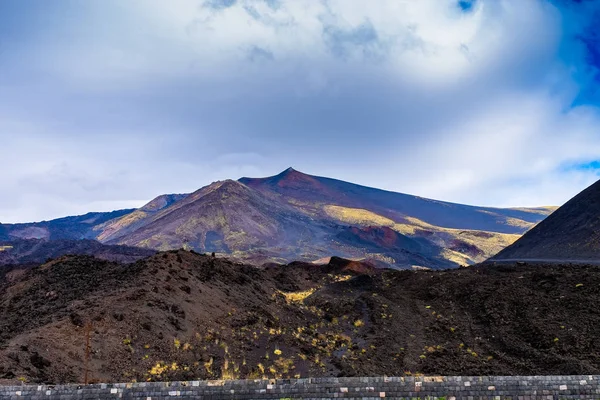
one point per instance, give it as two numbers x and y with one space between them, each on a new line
159 369
208 366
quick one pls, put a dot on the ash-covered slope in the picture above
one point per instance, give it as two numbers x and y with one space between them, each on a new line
571 233
184 316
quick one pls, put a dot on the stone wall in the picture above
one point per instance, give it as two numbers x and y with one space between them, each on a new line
447 388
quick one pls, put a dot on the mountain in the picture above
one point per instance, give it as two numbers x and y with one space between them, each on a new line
36 251
232 218
179 315
226 217
571 233
295 216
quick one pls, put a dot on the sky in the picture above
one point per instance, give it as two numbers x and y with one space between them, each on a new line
105 104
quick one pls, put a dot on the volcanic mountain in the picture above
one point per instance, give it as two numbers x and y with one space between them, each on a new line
180 315
571 233
295 216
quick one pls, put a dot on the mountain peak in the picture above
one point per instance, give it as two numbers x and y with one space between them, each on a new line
291 172
227 185
162 201
285 177
289 178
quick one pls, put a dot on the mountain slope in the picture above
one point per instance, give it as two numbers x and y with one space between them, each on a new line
121 226
571 233
76 227
302 189
36 251
222 214
467 234
229 217
185 316
295 216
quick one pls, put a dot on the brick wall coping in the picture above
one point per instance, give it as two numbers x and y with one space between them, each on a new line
420 387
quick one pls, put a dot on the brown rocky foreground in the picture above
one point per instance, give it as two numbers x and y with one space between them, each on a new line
184 316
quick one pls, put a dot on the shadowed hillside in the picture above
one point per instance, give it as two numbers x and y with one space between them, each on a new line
182 316
571 233
36 251
77 227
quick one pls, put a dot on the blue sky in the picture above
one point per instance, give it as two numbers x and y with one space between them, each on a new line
105 104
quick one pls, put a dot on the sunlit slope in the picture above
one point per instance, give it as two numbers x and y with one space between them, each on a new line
121 226
462 246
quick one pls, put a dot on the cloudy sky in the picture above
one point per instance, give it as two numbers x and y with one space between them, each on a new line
105 104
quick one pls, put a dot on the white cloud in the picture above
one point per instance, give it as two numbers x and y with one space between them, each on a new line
147 97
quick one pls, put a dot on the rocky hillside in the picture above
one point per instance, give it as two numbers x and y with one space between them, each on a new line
571 233
181 315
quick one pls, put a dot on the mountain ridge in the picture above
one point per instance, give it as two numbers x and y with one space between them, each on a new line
295 216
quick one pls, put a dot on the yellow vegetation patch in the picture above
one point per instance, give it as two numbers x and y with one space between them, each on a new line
519 222
357 216
297 297
456 257
3 248
111 227
542 210
159 369
489 243
341 278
